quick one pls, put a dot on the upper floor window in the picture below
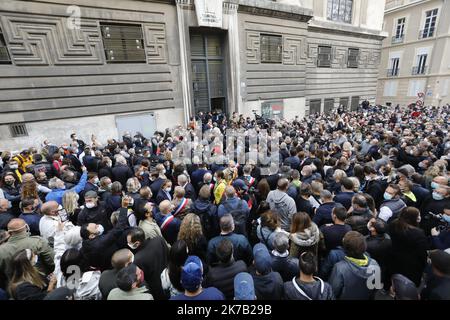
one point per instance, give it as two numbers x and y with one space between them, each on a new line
123 43
271 48
340 10
4 55
399 31
430 24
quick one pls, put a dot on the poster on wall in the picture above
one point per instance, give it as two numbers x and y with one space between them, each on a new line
209 13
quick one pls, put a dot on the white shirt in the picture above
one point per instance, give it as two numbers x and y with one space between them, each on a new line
385 213
48 225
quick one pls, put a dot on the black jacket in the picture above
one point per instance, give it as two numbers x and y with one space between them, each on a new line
409 252
5 218
152 258
75 162
222 277
105 172
48 168
122 173
304 206
436 288
97 215
190 192
97 252
268 286
107 282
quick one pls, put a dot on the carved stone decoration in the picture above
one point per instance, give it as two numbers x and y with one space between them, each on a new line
293 50
253 47
156 46
363 58
45 40
312 53
375 58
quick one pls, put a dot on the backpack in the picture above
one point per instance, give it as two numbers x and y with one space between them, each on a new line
239 217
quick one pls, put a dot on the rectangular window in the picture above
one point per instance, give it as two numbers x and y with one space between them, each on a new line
123 43
399 31
421 67
4 55
324 57
430 24
353 57
271 48
314 106
354 103
390 89
393 71
328 106
415 87
18 130
340 10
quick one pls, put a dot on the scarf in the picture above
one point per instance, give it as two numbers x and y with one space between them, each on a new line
359 262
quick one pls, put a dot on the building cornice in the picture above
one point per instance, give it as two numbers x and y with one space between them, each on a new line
345 29
404 6
275 10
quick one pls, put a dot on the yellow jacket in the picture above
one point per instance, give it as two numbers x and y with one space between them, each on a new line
23 162
219 189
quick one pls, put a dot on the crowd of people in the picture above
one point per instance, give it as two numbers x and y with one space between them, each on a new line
355 207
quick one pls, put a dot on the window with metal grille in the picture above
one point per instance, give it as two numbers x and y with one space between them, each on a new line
4 55
328 106
324 57
18 130
340 10
314 106
123 43
271 48
353 57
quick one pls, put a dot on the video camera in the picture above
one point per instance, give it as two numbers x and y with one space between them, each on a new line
442 225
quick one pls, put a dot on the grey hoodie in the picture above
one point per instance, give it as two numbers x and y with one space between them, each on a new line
284 206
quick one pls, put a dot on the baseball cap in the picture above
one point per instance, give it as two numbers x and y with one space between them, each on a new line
90 194
244 288
440 260
239 184
404 288
192 273
263 261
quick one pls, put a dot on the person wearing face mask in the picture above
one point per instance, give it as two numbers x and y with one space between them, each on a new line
98 246
5 213
120 259
42 179
91 184
104 168
58 187
130 285
20 239
104 190
392 204
157 179
94 211
11 191
30 216
441 238
50 220
165 192
151 255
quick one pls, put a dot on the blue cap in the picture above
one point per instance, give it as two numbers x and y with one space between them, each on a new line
192 273
263 260
244 289
240 184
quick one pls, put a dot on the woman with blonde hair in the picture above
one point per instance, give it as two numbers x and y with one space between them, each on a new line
133 187
335 186
192 233
70 205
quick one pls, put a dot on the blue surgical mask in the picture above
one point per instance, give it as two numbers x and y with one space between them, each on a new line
437 196
446 218
387 196
434 185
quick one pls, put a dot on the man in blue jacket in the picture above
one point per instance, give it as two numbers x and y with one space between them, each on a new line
58 187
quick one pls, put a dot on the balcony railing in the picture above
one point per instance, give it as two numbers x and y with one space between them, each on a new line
426 33
419 70
392 72
398 39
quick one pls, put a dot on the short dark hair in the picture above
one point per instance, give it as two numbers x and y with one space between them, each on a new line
354 244
84 233
136 234
126 277
70 257
396 188
347 183
224 251
360 201
340 213
308 263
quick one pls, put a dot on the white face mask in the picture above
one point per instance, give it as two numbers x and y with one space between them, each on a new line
96 181
100 229
14 166
90 205
133 246
167 189
35 260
